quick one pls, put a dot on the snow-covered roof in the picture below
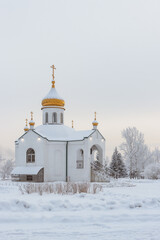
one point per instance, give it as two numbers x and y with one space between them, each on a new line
52 95
26 170
61 133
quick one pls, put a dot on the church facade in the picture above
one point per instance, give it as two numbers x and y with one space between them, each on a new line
55 152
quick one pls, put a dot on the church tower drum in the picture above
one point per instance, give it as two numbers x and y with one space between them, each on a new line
53 105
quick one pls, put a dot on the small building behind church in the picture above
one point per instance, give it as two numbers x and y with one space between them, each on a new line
55 152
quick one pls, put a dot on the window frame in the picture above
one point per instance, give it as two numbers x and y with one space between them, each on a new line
29 178
80 159
46 117
62 118
30 155
80 164
54 117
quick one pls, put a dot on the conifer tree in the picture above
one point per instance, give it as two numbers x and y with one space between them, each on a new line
117 165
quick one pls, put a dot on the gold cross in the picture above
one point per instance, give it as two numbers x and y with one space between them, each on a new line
26 121
53 68
31 115
95 115
72 124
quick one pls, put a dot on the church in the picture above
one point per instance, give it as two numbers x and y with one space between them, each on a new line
55 152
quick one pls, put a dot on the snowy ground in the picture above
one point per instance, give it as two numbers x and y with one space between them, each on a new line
124 210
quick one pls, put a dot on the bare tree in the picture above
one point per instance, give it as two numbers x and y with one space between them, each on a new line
1 159
6 169
156 155
135 151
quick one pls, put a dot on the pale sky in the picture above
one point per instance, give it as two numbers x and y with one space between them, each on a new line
107 58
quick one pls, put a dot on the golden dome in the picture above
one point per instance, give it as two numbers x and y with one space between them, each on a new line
95 123
53 98
31 123
53 102
26 127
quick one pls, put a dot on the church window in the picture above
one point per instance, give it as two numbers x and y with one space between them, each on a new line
79 164
54 117
29 178
61 117
80 159
46 117
30 155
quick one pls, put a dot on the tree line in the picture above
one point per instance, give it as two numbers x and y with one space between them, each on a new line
136 160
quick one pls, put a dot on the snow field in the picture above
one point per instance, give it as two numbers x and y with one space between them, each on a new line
125 209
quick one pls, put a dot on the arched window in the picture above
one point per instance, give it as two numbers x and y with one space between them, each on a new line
54 117
30 155
80 158
96 153
61 117
46 117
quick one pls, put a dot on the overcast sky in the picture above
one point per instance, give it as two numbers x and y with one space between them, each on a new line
107 58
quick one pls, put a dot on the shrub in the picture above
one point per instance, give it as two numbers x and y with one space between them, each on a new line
60 188
152 171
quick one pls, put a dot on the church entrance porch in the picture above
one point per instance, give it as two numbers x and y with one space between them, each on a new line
96 156
96 153
28 174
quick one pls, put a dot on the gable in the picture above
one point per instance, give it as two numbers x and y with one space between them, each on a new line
30 133
97 134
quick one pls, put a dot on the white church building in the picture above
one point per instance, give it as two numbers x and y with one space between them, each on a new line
55 152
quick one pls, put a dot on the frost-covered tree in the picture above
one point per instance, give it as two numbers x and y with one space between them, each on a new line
117 165
145 158
156 155
1 159
107 161
6 168
152 167
100 170
152 171
135 151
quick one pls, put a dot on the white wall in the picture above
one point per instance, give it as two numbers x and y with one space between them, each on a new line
74 173
55 163
30 140
83 174
52 156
